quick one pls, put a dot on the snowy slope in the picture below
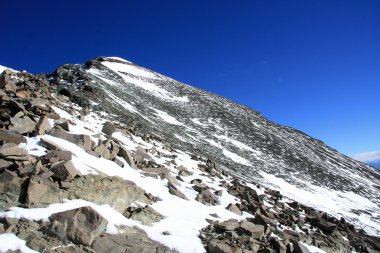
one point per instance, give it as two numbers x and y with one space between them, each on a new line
238 138
2 68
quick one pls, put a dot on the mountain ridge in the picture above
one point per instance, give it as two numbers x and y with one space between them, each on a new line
169 166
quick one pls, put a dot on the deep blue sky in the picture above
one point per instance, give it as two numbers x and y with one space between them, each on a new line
312 65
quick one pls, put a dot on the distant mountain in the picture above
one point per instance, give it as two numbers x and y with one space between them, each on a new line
370 158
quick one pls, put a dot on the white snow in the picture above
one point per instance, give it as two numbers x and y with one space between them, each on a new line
306 248
2 68
117 58
9 241
336 203
33 146
166 117
183 218
196 121
236 158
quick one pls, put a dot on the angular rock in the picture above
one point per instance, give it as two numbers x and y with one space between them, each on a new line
132 240
255 231
174 191
215 246
146 215
233 208
57 155
10 189
82 225
127 155
4 164
22 125
81 140
65 171
9 136
228 225
114 191
207 197
43 125
108 128
11 149
41 193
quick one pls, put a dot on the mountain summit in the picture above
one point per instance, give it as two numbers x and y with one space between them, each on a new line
108 152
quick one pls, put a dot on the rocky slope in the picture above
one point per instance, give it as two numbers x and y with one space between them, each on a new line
111 157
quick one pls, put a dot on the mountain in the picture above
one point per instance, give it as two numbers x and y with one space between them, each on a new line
370 158
109 155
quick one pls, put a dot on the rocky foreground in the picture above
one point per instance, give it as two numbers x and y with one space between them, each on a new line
72 181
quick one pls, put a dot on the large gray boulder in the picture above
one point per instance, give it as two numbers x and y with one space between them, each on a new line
81 225
132 240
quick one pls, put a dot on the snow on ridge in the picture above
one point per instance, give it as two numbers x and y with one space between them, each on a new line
139 74
2 68
367 156
117 58
9 241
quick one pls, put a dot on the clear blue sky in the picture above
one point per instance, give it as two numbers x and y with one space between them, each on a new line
312 65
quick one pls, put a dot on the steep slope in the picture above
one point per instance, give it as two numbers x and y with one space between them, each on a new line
238 138
80 172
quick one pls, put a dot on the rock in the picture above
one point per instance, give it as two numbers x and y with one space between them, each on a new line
132 240
146 215
11 149
82 225
207 197
126 154
4 79
215 246
114 191
9 136
81 140
57 155
23 94
4 164
118 162
41 193
141 156
43 125
326 226
65 171
107 149
255 231
228 225
159 170
22 125
174 191
108 128
10 189
233 208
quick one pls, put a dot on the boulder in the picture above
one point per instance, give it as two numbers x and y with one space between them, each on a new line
11 149
146 215
10 136
127 155
255 231
43 125
81 225
174 191
207 197
228 225
233 208
108 149
4 79
81 140
114 191
10 189
215 246
57 155
131 240
41 193
4 164
108 128
65 171
22 125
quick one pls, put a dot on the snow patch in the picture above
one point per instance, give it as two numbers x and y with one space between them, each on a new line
9 241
